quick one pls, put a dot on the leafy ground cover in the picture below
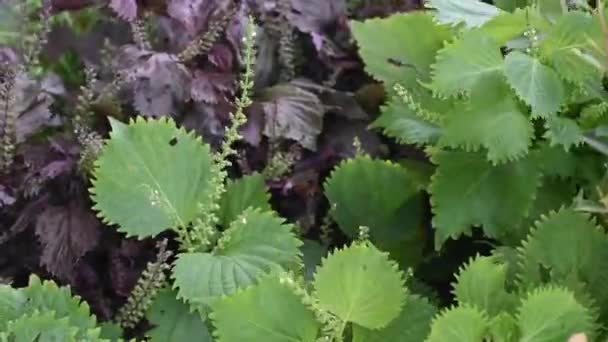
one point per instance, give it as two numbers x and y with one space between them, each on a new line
303 170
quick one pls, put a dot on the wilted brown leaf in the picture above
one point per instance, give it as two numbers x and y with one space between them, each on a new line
293 113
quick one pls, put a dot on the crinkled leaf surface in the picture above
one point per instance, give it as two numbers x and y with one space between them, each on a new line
46 296
567 242
563 131
593 115
360 284
173 320
294 113
162 85
125 9
386 199
567 47
268 311
249 191
535 83
159 82
481 283
551 195
400 122
467 190
381 189
211 87
403 54
556 161
150 176
460 65
462 323
472 13
413 324
256 243
12 303
67 233
553 314
572 247
40 326
186 12
33 101
493 120
503 327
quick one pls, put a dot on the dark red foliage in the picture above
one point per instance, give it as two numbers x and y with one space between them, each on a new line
125 9
127 260
67 233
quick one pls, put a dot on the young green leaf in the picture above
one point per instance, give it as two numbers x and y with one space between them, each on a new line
403 55
150 176
468 191
563 131
567 46
400 122
419 172
413 324
462 323
382 188
46 296
556 162
268 311
360 284
41 326
256 243
492 119
12 303
567 242
386 200
249 191
481 283
537 84
462 64
507 26
593 115
503 328
552 194
173 320
573 248
553 314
